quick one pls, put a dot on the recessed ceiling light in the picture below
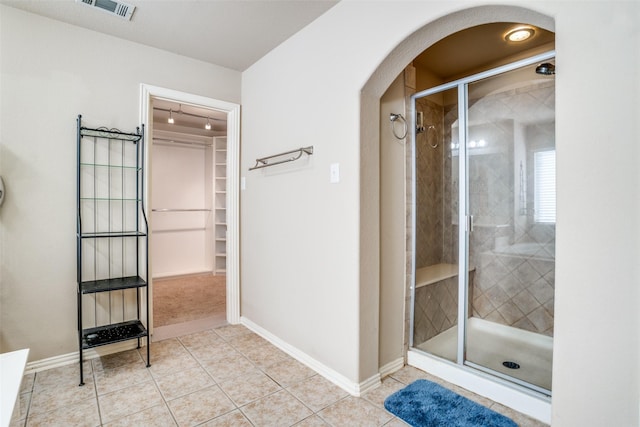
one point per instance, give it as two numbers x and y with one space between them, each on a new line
519 34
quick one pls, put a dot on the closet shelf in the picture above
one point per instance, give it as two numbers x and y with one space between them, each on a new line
109 334
110 199
119 283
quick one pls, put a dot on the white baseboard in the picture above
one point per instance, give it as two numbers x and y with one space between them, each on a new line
353 388
391 367
71 358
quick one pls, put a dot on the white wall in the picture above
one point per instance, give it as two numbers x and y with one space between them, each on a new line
181 238
51 72
310 260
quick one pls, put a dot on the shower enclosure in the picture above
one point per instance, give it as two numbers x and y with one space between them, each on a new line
484 223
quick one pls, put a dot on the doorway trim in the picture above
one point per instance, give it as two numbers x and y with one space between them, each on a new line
147 92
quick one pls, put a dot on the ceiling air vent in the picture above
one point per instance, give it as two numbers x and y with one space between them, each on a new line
123 10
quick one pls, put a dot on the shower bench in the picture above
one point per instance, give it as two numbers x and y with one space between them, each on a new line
435 273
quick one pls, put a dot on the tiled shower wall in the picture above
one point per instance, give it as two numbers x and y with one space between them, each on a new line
512 256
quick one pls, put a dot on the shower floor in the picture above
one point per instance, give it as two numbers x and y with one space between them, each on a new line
489 344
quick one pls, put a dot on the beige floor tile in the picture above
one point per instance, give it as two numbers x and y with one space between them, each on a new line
115 360
232 419
200 339
26 386
247 388
317 392
172 363
278 409
409 374
229 331
228 367
396 422
213 352
246 342
57 395
123 376
312 421
21 407
196 408
162 348
156 416
184 382
354 411
266 355
68 375
83 413
128 401
289 372
387 388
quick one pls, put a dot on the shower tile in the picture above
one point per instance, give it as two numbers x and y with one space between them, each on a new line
525 302
483 305
541 319
196 408
542 291
510 312
525 324
497 295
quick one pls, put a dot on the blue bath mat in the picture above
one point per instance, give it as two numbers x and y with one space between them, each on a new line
426 404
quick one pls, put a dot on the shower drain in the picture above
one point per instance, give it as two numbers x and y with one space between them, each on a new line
510 365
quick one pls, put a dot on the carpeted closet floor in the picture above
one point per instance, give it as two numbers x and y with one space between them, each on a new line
188 298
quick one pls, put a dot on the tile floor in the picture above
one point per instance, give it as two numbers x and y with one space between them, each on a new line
227 376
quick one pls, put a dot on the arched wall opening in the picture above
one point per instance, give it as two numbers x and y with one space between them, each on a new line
393 295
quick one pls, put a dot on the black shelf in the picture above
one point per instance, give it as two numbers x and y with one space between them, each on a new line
109 334
112 234
116 284
122 249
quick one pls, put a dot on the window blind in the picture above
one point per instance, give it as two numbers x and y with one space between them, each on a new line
545 186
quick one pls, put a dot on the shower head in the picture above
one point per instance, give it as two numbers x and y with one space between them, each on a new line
546 69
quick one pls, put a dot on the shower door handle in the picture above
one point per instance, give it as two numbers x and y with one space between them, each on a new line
470 223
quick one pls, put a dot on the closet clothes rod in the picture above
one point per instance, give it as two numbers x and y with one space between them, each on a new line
265 162
180 210
175 141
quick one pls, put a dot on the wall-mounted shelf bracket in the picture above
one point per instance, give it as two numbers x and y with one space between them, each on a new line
277 159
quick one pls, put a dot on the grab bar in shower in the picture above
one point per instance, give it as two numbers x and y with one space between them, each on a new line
265 162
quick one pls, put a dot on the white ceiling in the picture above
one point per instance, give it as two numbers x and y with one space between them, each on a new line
229 33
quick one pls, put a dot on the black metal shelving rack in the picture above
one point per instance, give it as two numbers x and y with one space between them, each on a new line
110 197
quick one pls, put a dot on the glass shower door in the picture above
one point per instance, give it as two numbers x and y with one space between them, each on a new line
511 203
436 170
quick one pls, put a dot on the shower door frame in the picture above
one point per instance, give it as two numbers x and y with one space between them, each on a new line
464 216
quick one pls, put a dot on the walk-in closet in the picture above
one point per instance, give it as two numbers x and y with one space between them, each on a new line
188 217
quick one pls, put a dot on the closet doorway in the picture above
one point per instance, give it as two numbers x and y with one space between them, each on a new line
188 216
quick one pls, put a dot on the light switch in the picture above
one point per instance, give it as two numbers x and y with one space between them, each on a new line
334 173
